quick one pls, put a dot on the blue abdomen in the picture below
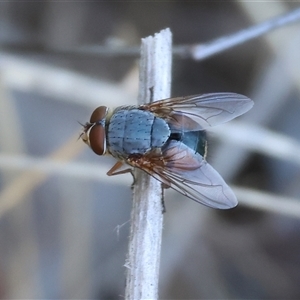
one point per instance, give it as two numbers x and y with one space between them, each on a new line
135 131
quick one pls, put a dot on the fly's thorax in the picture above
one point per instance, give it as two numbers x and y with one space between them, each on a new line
131 130
115 110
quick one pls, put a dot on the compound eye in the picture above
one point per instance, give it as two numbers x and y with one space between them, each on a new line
98 114
97 139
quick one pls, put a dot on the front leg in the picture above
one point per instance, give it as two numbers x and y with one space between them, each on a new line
118 165
113 171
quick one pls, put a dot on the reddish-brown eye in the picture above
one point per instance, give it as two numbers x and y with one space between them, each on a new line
97 139
98 114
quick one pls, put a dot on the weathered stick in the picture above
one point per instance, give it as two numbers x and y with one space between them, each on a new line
146 216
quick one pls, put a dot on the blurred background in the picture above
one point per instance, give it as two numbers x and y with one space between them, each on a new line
64 224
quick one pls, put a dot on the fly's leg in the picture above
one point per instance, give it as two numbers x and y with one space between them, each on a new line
163 204
113 171
138 161
151 94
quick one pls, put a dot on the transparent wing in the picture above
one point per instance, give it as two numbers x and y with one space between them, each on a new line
200 111
189 174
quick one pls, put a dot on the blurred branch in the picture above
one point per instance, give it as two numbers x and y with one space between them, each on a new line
146 216
202 51
197 51
263 140
46 166
268 202
271 90
31 76
14 192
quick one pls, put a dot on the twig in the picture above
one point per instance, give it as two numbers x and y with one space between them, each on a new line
146 216
261 200
202 51
24 183
197 51
265 141
268 202
31 76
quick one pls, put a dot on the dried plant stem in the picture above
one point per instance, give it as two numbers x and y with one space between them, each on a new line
198 51
202 51
271 203
16 191
146 216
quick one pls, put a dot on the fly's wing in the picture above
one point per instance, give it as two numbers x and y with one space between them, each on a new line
189 174
200 111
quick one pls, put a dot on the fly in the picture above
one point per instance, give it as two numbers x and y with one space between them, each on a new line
167 140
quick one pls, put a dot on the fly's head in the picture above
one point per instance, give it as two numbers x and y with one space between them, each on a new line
93 133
